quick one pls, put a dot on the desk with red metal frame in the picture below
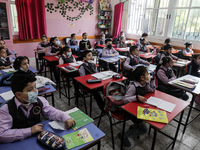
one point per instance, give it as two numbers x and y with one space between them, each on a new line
180 106
194 93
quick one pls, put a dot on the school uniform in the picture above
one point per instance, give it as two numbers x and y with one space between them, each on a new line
83 44
164 54
6 62
72 42
42 45
66 59
101 42
142 48
132 61
17 119
121 45
118 39
107 36
147 42
193 68
51 51
187 51
106 52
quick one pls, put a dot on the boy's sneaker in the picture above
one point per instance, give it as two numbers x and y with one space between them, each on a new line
126 141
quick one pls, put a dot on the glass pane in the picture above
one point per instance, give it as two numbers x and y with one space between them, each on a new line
195 3
150 3
181 3
193 26
164 3
161 22
4 31
178 23
14 17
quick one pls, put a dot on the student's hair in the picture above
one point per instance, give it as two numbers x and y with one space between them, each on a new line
138 72
164 61
1 39
1 48
132 48
101 35
20 81
52 39
44 36
65 49
108 40
84 33
72 35
194 56
142 39
121 38
18 61
187 44
144 34
121 32
167 46
167 41
85 52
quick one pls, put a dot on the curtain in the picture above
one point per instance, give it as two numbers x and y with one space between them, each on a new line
117 19
31 18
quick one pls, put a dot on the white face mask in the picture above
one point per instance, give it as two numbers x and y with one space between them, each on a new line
22 69
57 43
3 58
32 97
85 39
69 54
103 38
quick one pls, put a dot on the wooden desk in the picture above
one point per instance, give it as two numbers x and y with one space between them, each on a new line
32 144
180 106
146 55
194 92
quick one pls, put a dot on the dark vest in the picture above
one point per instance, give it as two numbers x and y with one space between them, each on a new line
73 42
140 90
54 50
162 86
67 60
19 119
6 62
45 45
90 69
133 61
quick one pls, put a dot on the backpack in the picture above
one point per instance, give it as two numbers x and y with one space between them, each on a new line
114 93
156 59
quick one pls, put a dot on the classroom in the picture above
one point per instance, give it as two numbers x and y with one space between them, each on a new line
99 74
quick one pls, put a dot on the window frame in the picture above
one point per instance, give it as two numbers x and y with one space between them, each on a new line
11 2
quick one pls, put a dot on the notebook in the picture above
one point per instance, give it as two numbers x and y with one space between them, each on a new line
7 95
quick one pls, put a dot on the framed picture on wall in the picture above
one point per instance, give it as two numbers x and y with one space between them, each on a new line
4 28
88 1
105 4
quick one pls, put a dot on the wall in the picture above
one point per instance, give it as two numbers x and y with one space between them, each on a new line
59 26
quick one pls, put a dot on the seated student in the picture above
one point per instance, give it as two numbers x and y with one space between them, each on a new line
193 66
44 44
89 68
134 59
168 52
122 43
101 41
84 44
167 41
142 45
8 52
5 61
20 116
67 56
55 47
122 34
188 49
72 41
107 35
141 84
165 73
144 35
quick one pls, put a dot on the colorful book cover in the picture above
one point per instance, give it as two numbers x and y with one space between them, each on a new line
81 119
77 138
152 115
69 68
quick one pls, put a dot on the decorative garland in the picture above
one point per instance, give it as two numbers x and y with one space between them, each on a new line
63 6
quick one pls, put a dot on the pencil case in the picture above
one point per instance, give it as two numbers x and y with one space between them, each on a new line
93 81
51 140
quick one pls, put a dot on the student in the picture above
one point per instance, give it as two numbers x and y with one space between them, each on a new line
122 43
8 52
20 116
5 61
44 44
168 52
141 84
72 41
193 66
101 41
107 35
84 44
89 68
55 47
167 41
134 59
122 34
142 45
165 73
188 49
145 35
67 56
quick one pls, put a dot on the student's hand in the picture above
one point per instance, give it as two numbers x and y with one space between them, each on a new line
69 123
57 52
147 63
36 128
141 99
112 54
60 45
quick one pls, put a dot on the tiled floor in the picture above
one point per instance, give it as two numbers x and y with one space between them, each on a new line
189 141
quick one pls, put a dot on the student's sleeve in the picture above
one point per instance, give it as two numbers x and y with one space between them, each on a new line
39 47
115 52
61 61
142 61
48 52
10 52
89 44
174 57
162 76
104 54
130 94
7 134
81 46
52 113
81 71
126 64
151 86
74 60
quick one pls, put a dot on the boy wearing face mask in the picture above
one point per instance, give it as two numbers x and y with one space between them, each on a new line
20 116
122 34
55 47
142 45
72 41
84 44
102 39
193 67
5 61
44 44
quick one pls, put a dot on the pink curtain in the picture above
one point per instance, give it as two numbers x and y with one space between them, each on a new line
31 18
117 19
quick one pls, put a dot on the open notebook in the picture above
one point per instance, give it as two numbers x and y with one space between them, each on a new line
7 95
104 75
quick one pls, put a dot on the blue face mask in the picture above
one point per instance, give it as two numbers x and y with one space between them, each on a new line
103 38
22 69
85 39
57 43
32 97
3 58
69 54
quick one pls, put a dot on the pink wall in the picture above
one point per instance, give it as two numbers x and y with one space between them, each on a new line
57 25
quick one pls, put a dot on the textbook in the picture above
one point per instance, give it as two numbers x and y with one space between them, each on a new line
184 84
77 138
152 115
104 75
69 68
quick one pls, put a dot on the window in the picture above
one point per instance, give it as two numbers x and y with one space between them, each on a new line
14 21
165 18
